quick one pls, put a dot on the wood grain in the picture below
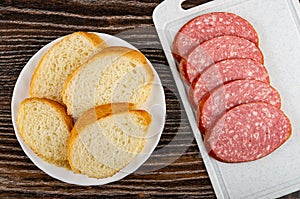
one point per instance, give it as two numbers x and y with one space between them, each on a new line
175 170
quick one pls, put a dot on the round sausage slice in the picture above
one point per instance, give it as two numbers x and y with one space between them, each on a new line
208 26
248 132
233 94
215 50
223 72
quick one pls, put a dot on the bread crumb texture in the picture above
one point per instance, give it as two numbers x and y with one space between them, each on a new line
109 143
45 127
60 61
115 74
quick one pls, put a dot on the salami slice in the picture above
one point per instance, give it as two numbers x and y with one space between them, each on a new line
248 132
223 72
208 26
215 50
233 94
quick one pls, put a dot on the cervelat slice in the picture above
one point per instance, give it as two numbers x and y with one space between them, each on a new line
208 26
215 50
248 132
223 72
233 94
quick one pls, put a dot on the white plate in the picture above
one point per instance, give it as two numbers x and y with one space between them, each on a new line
277 23
155 105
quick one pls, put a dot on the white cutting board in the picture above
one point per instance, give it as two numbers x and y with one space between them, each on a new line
277 23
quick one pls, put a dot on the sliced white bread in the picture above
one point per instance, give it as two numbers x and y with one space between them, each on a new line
115 74
45 127
60 61
99 147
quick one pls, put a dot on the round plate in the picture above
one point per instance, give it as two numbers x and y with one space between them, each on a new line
155 105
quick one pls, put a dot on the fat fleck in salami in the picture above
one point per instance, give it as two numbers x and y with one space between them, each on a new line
208 26
232 94
248 132
215 50
223 72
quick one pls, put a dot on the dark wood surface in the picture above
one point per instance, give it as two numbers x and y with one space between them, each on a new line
174 170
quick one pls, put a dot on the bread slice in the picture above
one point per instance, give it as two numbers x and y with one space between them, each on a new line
60 61
115 74
99 146
45 127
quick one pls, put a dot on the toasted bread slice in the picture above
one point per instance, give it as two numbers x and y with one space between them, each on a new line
60 61
45 127
115 74
100 146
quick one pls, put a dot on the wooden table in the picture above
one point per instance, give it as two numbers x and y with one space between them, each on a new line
174 170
